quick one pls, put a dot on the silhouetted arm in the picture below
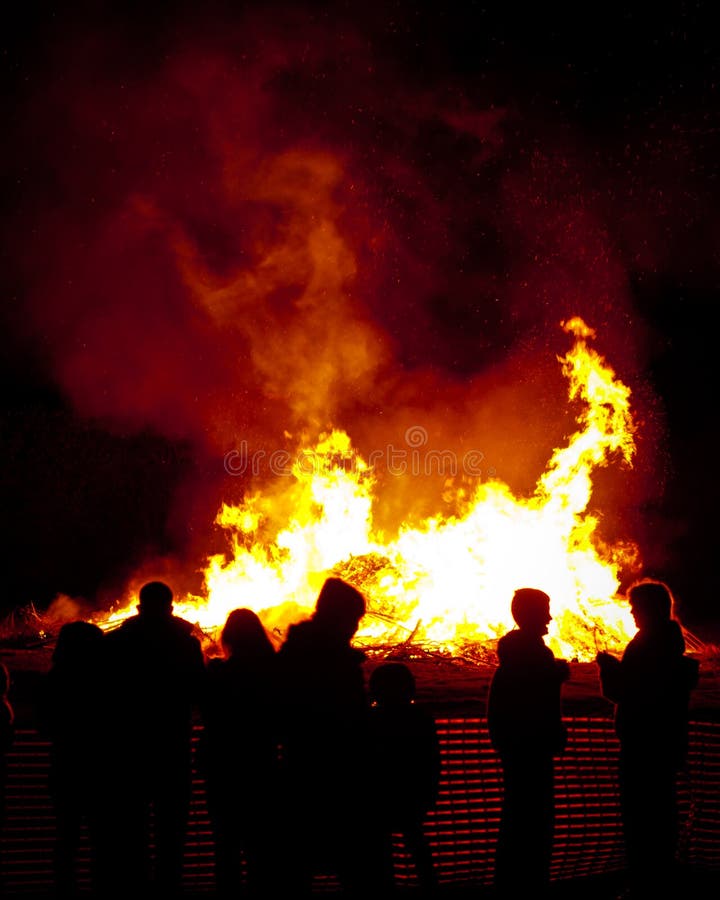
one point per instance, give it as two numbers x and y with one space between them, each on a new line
611 676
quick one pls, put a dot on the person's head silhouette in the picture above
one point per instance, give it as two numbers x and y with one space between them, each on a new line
339 608
530 608
651 603
244 635
156 601
77 643
391 684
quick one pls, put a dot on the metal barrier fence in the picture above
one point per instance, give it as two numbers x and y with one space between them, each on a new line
462 828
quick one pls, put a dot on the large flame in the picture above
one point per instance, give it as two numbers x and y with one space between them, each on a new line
448 581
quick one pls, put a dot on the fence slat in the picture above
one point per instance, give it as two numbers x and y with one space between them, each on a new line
462 828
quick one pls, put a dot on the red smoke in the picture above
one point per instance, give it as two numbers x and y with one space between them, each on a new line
272 229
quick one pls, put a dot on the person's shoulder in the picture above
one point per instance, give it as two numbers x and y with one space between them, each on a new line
298 634
126 631
183 626
606 660
510 643
129 624
184 632
509 638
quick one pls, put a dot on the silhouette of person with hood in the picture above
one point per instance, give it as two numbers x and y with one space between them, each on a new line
157 667
526 729
650 687
238 757
406 777
70 714
325 746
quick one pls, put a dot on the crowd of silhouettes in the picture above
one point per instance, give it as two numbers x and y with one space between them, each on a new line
310 768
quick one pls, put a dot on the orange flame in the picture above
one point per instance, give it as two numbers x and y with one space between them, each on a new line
447 582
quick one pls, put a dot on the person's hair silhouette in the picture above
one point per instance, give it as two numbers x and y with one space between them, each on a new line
650 688
238 757
406 767
244 633
527 731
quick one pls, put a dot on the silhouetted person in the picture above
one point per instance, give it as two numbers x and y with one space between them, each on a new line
70 714
406 775
7 738
526 730
157 667
650 687
7 713
325 746
238 756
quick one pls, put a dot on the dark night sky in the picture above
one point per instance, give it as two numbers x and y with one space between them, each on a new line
502 170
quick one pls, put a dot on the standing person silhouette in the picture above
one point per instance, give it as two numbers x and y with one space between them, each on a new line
238 757
406 777
157 667
7 738
325 747
527 731
7 717
69 713
650 687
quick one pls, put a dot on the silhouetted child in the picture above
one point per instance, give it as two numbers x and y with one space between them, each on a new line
406 753
325 747
156 669
238 756
527 731
70 715
650 687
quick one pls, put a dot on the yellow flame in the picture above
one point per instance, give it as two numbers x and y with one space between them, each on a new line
448 581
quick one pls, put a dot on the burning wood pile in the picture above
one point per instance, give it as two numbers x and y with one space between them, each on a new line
440 586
